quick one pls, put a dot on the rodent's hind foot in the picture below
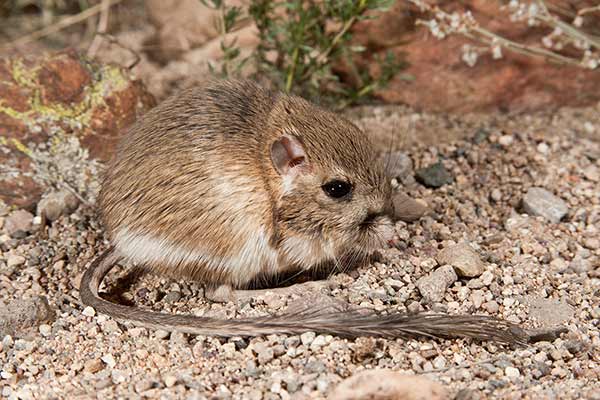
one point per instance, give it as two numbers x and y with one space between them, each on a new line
225 293
301 289
220 294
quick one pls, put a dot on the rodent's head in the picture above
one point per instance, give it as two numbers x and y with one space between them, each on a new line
334 198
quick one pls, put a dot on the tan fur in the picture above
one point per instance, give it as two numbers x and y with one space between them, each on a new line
194 178
193 192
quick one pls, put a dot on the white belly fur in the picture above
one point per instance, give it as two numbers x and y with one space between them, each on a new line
254 257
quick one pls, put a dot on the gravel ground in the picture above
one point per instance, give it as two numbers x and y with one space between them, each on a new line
491 245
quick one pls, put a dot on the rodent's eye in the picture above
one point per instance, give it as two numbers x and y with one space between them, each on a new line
337 189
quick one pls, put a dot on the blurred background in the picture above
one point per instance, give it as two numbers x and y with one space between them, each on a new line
403 52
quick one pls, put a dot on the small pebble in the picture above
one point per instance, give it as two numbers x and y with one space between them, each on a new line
487 278
161 334
89 311
506 140
592 173
319 342
491 307
463 258
540 202
265 356
496 195
170 380
408 209
307 338
433 286
93 366
439 362
15 261
543 148
172 297
45 330
109 360
21 317
434 176
18 223
55 204
592 243
511 372
387 384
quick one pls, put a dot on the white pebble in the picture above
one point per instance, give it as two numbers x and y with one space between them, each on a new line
45 330
511 372
89 311
589 127
508 302
318 342
439 362
5 375
15 261
541 357
487 278
170 380
506 140
307 338
8 341
109 360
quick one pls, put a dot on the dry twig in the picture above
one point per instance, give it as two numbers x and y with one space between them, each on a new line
62 24
102 26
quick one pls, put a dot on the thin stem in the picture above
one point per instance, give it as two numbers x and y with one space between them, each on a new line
62 24
588 10
292 71
322 57
102 26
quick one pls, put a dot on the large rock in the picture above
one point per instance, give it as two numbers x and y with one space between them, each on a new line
53 96
441 81
382 384
22 317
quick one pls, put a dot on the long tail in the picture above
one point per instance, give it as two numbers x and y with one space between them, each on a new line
350 324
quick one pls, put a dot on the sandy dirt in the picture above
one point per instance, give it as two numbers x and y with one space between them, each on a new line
533 272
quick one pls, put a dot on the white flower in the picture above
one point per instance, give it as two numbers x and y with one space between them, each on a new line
592 63
532 11
547 41
454 20
496 52
469 55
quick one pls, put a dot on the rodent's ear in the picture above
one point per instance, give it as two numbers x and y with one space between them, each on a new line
287 153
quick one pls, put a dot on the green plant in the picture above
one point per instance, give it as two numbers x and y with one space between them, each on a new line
303 44
231 64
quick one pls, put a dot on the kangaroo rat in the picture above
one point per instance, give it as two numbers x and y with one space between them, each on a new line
233 182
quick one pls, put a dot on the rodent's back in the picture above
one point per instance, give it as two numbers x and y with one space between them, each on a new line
189 173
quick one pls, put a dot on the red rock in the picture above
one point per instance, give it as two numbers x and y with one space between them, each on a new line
60 94
63 80
443 82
